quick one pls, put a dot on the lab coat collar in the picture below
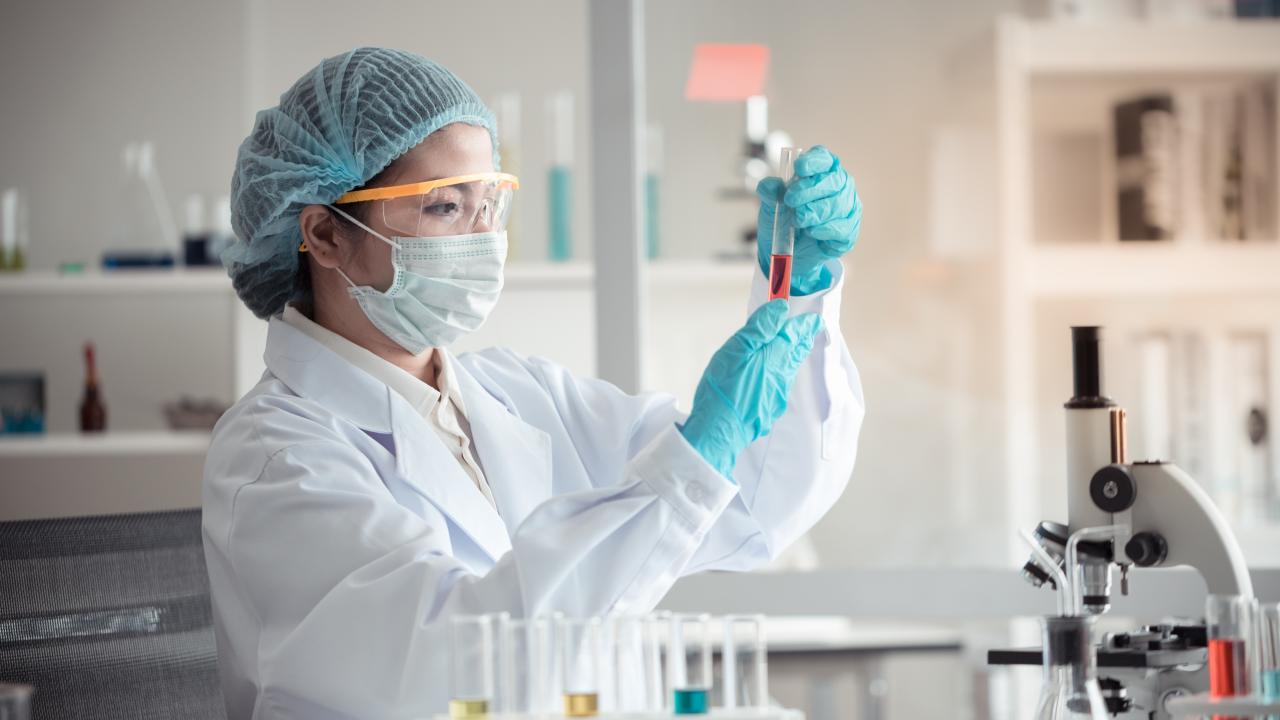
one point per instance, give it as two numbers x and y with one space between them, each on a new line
515 455
317 373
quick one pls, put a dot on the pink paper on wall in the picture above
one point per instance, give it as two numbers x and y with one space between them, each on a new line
727 72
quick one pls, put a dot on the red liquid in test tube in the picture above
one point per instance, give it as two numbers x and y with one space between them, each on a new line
784 234
1226 670
780 277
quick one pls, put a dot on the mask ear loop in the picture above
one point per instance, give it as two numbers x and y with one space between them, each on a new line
367 229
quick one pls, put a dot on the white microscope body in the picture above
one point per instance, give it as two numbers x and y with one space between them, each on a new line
1162 518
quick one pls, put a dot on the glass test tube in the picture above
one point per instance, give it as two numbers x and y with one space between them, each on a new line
527 667
689 663
579 640
471 676
1269 653
784 233
745 662
1230 621
637 685
560 177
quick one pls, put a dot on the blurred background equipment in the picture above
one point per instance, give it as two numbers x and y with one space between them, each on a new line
984 137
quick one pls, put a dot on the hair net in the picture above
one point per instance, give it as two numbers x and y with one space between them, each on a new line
338 126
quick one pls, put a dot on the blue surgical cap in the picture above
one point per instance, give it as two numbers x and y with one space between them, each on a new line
341 124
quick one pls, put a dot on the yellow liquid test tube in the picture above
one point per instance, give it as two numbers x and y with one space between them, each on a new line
581 705
468 709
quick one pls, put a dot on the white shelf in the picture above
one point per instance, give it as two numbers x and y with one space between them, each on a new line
1201 704
1155 269
1147 47
123 443
124 282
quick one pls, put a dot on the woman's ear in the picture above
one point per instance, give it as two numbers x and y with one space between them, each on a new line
321 236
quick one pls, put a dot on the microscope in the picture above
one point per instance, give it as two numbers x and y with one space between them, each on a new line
1162 518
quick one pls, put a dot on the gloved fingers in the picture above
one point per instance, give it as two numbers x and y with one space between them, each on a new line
842 204
763 325
801 331
804 190
835 237
769 190
814 161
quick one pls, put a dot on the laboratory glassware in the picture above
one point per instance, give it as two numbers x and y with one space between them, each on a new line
144 233
14 230
784 233
1230 624
689 664
560 177
636 664
1269 653
745 662
507 108
579 641
93 412
527 667
472 675
652 183
1070 672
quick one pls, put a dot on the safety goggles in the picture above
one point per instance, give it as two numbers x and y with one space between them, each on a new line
450 206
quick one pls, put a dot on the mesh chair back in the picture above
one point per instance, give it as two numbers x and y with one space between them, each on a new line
109 617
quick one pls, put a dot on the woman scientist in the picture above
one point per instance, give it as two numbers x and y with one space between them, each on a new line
372 485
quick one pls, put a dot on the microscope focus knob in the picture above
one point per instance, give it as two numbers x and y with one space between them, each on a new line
1146 549
1112 489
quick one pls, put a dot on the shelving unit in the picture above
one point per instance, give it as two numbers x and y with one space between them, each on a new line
114 443
1041 70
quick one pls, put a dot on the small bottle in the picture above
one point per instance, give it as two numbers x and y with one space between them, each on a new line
93 414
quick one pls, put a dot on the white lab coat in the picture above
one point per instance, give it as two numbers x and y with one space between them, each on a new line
341 535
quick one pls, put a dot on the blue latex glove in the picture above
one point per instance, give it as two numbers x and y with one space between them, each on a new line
827 215
745 386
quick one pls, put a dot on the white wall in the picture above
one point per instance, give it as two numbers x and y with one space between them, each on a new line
870 79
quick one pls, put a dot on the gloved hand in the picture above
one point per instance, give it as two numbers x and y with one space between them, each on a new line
827 214
745 386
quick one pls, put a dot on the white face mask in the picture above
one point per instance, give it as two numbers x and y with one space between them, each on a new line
444 287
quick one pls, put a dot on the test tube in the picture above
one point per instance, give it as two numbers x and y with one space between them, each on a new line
1230 620
1269 652
784 233
472 675
579 640
560 176
636 664
689 662
527 667
745 662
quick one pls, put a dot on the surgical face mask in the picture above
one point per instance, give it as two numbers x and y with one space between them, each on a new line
444 287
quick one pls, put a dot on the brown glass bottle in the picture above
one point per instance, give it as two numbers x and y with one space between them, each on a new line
93 414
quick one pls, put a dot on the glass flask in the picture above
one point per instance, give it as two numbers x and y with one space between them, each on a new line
1070 672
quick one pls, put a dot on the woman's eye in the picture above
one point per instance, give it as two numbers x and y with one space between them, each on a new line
441 209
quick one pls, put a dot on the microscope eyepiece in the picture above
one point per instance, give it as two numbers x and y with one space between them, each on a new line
1086 362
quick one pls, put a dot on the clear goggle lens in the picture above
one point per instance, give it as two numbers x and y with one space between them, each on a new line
453 209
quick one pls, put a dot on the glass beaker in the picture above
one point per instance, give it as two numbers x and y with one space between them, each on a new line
1070 672
528 672
579 641
471 678
689 664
